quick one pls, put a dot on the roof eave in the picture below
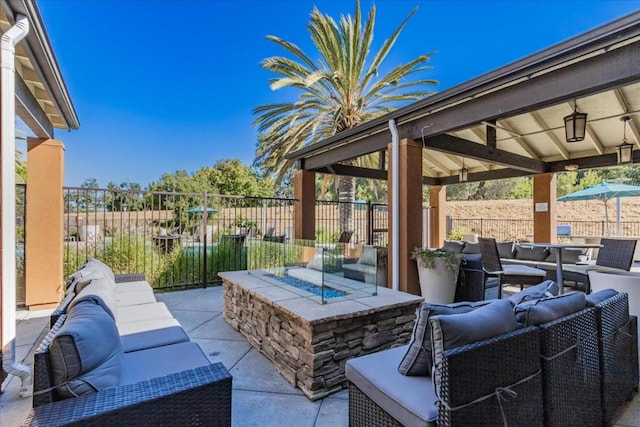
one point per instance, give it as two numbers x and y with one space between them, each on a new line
599 38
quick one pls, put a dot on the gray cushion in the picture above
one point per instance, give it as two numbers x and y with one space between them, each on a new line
453 246
569 255
410 400
134 313
506 249
544 310
127 328
160 361
471 248
138 286
86 353
369 255
418 359
101 292
533 253
126 299
94 264
596 298
456 330
154 338
548 288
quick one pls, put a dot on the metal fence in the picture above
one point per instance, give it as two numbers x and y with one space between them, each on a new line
522 229
185 239
21 212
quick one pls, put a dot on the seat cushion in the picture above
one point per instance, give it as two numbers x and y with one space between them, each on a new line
471 248
544 310
596 298
135 313
522 270
86 353
154 338
125 299
94 264
127 328
569 255
418 359
410 400
160 361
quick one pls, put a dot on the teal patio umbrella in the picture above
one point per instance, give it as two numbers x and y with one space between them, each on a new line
200 209
604 191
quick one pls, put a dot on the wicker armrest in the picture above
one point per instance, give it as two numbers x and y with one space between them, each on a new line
200 396
476 378
131 277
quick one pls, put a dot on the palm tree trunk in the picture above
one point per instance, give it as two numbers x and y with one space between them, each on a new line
347 194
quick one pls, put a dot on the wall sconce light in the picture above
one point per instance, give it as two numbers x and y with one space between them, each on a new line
571 167
575 125
463 173
625 150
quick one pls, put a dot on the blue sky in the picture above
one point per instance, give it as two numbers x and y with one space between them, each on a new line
165 85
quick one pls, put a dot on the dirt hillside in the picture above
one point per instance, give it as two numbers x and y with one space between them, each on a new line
591 210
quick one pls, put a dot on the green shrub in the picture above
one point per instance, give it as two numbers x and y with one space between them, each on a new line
457 234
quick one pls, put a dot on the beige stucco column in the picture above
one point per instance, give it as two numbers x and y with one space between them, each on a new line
438 222
44 223
304 190
410 235
544 208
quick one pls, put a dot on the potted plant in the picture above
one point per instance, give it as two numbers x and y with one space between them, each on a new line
438 273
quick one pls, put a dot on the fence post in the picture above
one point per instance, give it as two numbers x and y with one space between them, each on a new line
602 228
482 227
369 223
205 217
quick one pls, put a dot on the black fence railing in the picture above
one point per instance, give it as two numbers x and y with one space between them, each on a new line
185 239
21 212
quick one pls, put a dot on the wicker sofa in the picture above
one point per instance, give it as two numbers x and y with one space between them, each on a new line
577 368
113 356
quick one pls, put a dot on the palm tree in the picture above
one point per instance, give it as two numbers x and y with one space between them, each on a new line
337 92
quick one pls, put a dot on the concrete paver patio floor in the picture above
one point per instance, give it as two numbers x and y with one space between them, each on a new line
261 396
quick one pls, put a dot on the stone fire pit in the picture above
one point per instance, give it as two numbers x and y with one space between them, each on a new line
307 342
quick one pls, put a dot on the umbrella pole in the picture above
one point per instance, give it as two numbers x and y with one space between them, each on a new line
619 220
606 218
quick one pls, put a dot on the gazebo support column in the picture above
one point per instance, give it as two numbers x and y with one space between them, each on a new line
544 208
438 212
304 189
44 223
410 214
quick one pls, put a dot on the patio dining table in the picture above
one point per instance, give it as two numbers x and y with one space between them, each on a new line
558 249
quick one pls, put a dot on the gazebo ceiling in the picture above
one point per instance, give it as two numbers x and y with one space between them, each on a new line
520 107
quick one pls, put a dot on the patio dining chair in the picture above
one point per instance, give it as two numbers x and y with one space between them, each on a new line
514 274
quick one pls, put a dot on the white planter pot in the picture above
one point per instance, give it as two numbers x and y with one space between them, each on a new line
437 285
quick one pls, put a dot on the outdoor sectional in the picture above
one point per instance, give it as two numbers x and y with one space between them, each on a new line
573 364
113 359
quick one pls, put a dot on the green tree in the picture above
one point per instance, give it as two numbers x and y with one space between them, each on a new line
230 176
337 92
21 168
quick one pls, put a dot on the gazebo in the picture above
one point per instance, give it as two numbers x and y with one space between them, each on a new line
563 108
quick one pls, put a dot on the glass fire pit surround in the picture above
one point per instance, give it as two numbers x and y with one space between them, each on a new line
319 275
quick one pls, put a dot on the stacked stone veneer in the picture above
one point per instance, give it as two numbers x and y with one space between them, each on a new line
312 356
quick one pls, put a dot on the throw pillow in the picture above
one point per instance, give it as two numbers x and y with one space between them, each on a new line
418 359
596 298
456 330
86 353
316 261
544 310
569 255
453 246
471 248
531 253
369 255
99 291
548 288
99 265
506 249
